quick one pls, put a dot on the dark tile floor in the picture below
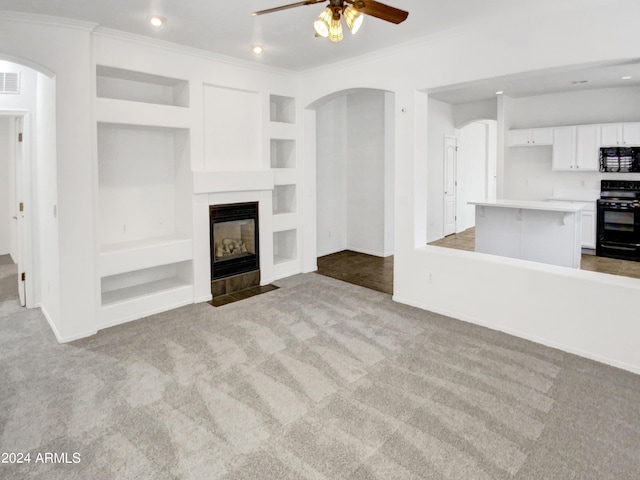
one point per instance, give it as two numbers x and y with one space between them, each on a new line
369 271
466 241
225 299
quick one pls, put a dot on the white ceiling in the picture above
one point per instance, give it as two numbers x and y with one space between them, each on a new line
227 27
576 78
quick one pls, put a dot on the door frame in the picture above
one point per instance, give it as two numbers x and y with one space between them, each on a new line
446 139
23 194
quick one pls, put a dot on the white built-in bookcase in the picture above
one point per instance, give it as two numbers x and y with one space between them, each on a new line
144 177
286 218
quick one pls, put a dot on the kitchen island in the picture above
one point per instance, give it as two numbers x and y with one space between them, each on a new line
546 232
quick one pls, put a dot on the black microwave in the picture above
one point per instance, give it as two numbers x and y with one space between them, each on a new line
620 159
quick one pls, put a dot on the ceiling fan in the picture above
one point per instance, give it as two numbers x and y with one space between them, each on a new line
328 24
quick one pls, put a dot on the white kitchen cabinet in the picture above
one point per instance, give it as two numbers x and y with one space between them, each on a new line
631 134
588 235
587 147
620 134
530 137
576 148
564 148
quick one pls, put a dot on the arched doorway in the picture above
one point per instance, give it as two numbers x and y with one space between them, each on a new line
28 224
354 177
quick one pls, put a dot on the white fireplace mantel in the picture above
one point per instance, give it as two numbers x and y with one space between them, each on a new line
239 181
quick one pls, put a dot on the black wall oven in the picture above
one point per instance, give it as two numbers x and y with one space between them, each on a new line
618 230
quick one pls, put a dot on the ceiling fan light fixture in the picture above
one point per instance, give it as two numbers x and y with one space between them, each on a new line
323 23
335 29
353 18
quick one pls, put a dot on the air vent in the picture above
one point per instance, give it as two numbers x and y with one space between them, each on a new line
9 82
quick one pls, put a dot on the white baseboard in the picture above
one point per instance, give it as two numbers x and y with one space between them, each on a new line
59 337
144 314
534 338
202 299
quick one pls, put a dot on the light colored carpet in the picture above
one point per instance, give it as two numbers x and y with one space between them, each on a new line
317 380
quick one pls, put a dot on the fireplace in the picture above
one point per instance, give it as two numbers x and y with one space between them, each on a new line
235 239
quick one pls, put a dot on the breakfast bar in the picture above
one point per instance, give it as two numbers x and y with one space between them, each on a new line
539 231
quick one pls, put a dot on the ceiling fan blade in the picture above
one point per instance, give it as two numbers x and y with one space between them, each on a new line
286 7
381 11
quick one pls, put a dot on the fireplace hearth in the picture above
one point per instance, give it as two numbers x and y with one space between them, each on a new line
234 237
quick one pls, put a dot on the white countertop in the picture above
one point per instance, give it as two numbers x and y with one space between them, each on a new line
530 205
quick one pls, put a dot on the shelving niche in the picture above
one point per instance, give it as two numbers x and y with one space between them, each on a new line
144 227
283 161
282 109
284 199
285 246
120 84
283 153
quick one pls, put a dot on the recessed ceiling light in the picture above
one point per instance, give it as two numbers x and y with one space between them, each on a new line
626 77
257 50
157 21
499 92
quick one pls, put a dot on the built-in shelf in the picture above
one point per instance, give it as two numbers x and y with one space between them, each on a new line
284 199
283 153
127 286
285 246
143 289
285 221
143 114
125 257
154 297
145 261
282 109
120 84
285 176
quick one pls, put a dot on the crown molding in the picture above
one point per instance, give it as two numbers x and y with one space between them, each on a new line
191 51
48 20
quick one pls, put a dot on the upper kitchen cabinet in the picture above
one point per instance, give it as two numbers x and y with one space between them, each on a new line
576 148
530 137
620 134
587 147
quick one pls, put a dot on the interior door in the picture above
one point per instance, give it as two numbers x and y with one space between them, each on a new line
20 209
450 184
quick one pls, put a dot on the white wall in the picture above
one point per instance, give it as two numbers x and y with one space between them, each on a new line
541 303
331 175
473 164
47 245
440 124
469 112
232 129
366 172
354 181
5 179
604 105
